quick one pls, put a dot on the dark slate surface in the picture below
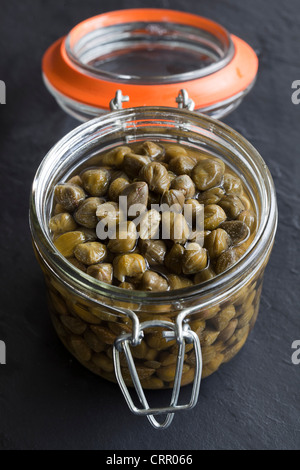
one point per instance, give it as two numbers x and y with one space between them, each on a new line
47 400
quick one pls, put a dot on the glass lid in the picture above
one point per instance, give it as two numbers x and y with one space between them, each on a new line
150 54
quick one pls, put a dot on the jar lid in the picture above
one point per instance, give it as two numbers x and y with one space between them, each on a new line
150 54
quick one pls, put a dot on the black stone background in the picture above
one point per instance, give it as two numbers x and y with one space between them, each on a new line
49 401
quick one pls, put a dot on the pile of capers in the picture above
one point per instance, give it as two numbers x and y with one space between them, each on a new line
138 257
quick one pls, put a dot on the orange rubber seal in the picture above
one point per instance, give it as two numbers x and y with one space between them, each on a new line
73 82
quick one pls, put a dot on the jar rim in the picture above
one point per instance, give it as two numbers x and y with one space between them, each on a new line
96 42
69 274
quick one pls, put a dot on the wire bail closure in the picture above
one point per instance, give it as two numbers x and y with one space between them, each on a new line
183 334
183 100
178 331
117 102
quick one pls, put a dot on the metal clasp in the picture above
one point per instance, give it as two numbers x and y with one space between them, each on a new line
183 334
116 102
184 101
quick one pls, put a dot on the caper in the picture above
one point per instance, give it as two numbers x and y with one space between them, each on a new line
116 187
245 201
197 208
103 272
174 227
124 239
232 205
77 264
204 275
174 199
58 209
194 259
173 259
96 181
174 151
167 373
208 336
156 176
153 150
185 184
86 212
89 234
62 223
136 198
217 242
211 196
115 174
232 184
149 224
75 325
182 165
67 242
151 281
221 321
69 196
154 251
127 285
227 259
227 333
114 157
237 230
90 252
93 342
172 175
178 282
129 265
214 215
76 180
248 217
109 210
207 174
133 163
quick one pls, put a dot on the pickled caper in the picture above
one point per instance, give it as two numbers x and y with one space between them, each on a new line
217 242
152 281
86 212
90 252
156 176
185 184
96 181
129 265
207 174
69 196
194 259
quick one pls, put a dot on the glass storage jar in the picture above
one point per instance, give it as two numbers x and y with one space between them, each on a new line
152 340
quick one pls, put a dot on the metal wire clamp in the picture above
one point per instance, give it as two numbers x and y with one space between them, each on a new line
182 336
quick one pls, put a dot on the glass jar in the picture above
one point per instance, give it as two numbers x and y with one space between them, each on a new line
150 54
151 340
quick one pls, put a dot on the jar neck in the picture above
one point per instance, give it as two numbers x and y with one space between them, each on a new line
166 48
